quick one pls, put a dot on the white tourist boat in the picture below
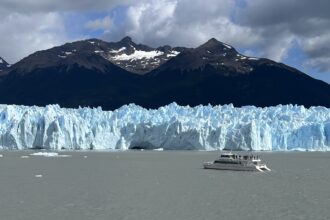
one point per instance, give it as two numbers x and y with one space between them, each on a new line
231 161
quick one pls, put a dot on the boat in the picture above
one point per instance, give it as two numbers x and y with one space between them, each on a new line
232 161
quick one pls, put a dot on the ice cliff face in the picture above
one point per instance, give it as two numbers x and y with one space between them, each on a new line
171 127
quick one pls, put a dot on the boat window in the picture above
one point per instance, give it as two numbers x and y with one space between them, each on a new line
227 162
226 156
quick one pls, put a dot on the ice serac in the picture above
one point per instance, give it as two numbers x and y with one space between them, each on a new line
277 128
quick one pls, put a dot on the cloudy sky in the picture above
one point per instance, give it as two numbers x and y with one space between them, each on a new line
296 32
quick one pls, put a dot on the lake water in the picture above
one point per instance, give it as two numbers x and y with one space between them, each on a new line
161 185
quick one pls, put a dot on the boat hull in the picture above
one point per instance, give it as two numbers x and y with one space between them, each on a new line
238 167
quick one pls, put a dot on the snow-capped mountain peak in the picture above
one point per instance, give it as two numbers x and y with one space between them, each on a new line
221 57
135 58
132 57
138 58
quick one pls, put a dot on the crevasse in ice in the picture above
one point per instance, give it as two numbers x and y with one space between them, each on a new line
283 127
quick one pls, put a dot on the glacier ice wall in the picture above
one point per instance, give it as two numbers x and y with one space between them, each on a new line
284 127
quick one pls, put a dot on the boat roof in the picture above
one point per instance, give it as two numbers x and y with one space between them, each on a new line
227 153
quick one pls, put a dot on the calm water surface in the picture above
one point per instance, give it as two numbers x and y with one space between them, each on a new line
161 185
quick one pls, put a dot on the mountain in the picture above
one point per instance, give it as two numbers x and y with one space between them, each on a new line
98 73
138 58
216 73
3 65
126 54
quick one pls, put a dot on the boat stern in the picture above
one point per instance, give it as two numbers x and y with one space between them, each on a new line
262 168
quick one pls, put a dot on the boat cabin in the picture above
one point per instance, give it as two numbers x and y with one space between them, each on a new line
232 156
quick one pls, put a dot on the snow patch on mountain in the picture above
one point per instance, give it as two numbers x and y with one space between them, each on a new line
227 46
118 51
173 53
138 55
170 127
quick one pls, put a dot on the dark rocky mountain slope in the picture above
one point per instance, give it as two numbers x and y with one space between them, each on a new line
3 65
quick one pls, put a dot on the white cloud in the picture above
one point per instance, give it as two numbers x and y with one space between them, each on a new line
39 6
182 23
318 45
318 50
281 22
145 18
24 34
31 25
103 24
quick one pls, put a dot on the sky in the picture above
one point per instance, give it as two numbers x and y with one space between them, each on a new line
295 32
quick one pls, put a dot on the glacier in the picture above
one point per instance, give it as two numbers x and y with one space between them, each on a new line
172 127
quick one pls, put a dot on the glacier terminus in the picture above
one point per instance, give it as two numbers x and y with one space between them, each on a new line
172 127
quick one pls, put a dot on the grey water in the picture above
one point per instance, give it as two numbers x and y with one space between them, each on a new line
165 185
